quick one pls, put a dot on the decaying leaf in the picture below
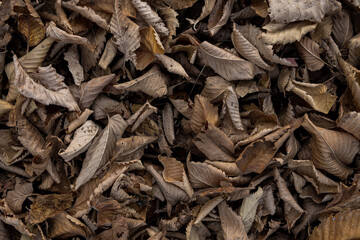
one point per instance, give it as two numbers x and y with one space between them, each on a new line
331 150
15 198
224 63
309 51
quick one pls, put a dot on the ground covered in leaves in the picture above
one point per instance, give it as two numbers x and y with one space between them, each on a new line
179 119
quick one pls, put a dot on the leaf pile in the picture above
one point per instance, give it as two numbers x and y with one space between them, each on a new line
181 119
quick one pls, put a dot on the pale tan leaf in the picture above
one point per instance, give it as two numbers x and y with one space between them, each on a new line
30 62
315 95
79 120
248 208
16 197
224 63
342 29
168 123
231 223
108 54
150 16
293 207
331 150
215 88
230 168
350 122
322 31
101 149
207 208
153 83
172 193
231 106
343 225
88 13
91 89
184 106
77 71
246 87
126 33
62 17
219 15
285 11
215 144
291 33
252 34
203 112
205 11
29 88
171 65
169 16
61 36
310 53
321 183
174 172
246 49
82 139
203 175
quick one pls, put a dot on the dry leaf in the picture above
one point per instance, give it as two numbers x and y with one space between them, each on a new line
231 223
323 30
77 71
64 225
303 10
29 88
168 123
248 208
153 83
205 11
331 150
309 52
109 54
16 198
172 66
204 112
225 64
342 28
150 16
126 33
101 149
82 139
219 16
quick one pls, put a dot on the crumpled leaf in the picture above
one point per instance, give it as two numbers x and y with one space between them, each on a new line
246 49
248 208
224 63
215 88
126 33
215 144
16 197
203 112
153 83
309 52
331 150
302 10
205 11
29 88
341 226
350 123
150 16
219 15
171 65
342 28
30 24
321 183
207 208
64 225
82 139
91 89
88 13
30 62
231 223
291 33
77 71
101 149
315 95
292 209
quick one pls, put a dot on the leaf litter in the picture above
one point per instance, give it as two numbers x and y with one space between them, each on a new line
214 119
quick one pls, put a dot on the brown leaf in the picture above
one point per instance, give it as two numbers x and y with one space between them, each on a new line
16 198
342 28
225 64
309 52
77 71
341 226
204 112
126 33
219 15
171 65
47 206
331 150
168 123
153 83
63 225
